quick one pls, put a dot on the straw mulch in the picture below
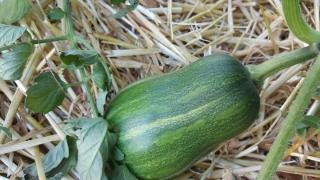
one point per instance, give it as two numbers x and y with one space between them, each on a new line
159 37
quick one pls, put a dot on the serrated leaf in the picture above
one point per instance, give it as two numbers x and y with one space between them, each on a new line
13 62
59 160
100 76
101 101
121 172
78 58
46 94
133 4
6 131
9 34
13 10
56 14
91 140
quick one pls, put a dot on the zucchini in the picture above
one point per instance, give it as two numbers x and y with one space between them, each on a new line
166 123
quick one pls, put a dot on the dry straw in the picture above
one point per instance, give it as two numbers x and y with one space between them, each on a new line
159 37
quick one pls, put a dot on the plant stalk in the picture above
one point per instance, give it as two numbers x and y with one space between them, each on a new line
89 95
48 40
261 71
69 25
296 23
288 128
70 35
40 41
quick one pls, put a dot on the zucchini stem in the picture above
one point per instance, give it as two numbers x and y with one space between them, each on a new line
296 23
261 71
70 35
289 125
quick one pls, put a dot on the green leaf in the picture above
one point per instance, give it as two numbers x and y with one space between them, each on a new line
59 160
9 34
121 172
117 154
91 141
6 131
12 11
53 158
308 122
100 76
78 58
84 42
46 94
108 146
133 4
56 14
101 101
312 121
67 163
13 62
317 93
117 2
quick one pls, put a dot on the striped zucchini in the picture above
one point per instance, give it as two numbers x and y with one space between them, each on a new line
166 123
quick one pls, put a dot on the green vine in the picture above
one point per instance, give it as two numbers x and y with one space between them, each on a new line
261 71
288 128
34 41
71 38
304 32
298 26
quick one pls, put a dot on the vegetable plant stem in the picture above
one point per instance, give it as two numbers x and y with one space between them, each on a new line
69 25
298 26
48 40
40 41
89 95
282 61
70 35
295 114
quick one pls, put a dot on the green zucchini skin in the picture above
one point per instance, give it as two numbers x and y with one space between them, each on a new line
166 123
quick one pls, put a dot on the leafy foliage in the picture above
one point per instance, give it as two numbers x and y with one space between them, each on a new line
101 101
46 94
56 14
133 4
100 77
58 161
92 146
121 172
308 122
117 155
9 34
117 2
78 58
67 163
13 10
13 62
6 131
